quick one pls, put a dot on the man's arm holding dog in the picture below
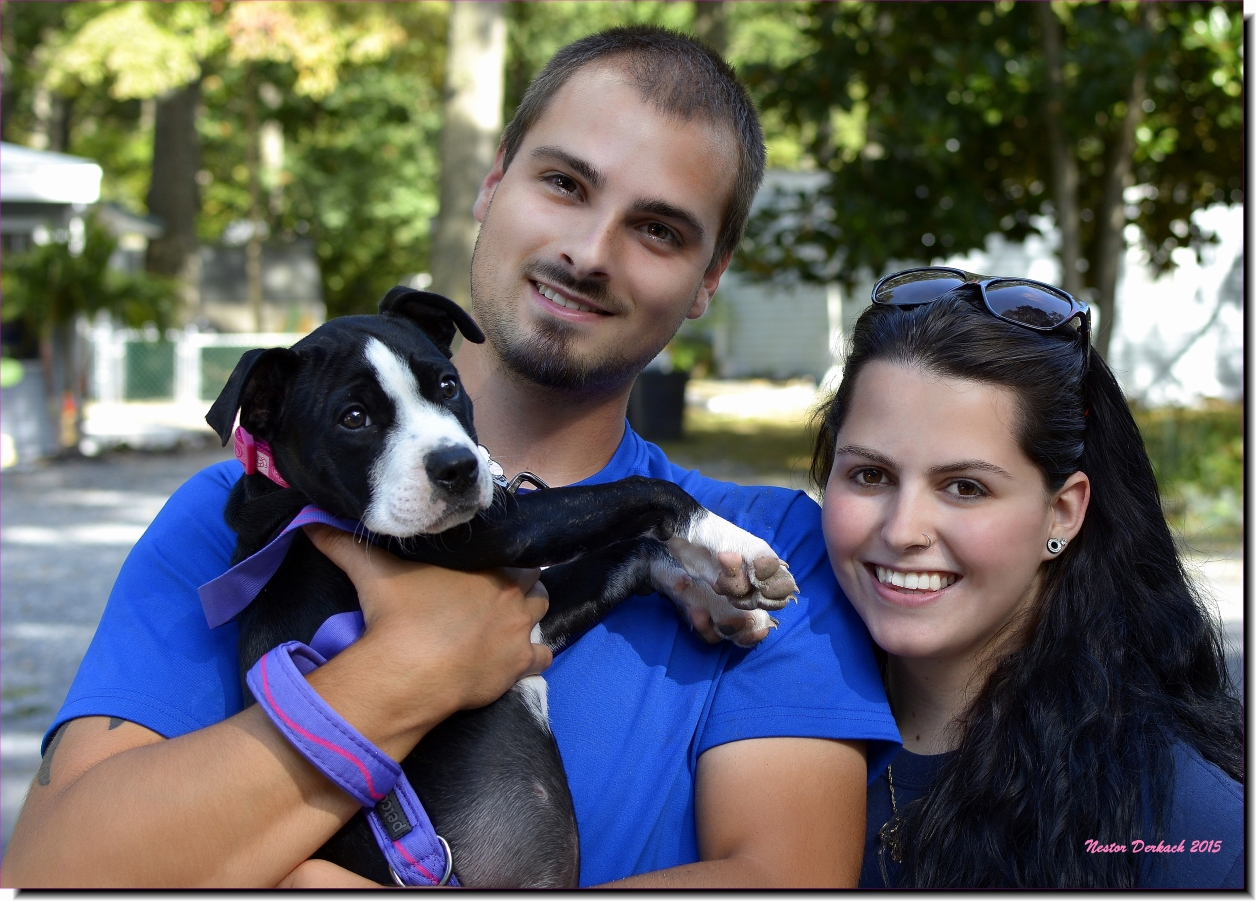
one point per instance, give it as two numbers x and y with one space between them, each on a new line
806 830
233 804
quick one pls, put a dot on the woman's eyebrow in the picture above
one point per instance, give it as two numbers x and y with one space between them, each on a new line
867 453
968 466
941 469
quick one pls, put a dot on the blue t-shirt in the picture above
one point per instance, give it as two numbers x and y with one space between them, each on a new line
1206 822
632 704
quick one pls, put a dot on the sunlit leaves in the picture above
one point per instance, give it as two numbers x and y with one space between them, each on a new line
140 56
317 39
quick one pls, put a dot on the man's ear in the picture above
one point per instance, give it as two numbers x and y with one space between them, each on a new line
1068 509
710 281
258 386
437 315
489 185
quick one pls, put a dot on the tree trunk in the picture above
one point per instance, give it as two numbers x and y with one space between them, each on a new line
173 194
52 121
1110 221
474 81
1064 175
253 249
710 25
63 383
8 90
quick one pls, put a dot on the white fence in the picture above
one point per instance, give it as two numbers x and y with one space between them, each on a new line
180 366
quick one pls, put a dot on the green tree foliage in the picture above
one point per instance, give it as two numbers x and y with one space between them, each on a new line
50 284
1198 458
360 159
933 123
355 87
24 27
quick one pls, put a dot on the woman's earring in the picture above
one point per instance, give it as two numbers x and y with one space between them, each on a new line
1055 545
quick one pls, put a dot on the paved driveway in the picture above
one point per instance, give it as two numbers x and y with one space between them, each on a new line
66 530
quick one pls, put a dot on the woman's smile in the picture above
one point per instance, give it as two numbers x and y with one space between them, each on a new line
914 587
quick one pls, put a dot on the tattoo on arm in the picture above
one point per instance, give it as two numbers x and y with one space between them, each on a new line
115 722
44 776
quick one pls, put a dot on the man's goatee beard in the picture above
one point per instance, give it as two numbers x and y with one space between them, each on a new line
544 358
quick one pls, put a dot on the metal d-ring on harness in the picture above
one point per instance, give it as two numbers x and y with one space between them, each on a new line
449 866
511 485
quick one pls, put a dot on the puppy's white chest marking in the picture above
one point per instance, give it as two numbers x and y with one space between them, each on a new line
404 502
535 692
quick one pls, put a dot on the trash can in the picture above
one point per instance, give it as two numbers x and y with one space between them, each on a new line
656 406
27 429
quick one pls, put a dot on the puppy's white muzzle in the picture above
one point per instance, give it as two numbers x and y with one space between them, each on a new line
429 476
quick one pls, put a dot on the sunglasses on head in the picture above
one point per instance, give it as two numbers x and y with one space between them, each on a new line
1020 301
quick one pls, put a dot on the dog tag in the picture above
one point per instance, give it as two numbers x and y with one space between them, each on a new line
494 468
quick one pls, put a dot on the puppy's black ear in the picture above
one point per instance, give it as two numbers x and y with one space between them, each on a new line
259 385
435 314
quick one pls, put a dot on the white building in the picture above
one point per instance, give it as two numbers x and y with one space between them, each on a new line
1178 338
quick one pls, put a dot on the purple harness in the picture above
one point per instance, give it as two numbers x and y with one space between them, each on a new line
402 829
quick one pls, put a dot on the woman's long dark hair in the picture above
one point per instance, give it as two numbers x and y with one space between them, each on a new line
1071 737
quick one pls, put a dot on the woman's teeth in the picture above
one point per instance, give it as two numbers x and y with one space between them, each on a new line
920 581
557 298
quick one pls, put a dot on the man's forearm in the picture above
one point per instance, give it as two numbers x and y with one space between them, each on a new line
231 805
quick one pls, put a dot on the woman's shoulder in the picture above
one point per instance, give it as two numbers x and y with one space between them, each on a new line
1204 844
1203 780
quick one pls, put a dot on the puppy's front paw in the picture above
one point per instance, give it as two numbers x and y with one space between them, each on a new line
740 566
712 615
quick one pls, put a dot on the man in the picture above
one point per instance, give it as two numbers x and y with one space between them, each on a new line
618 195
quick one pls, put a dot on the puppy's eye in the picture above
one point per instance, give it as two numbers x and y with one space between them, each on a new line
355 418
449 387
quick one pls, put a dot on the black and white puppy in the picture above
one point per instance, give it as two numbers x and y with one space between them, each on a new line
366 418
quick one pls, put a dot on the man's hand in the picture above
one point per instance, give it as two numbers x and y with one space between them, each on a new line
324 874
447 640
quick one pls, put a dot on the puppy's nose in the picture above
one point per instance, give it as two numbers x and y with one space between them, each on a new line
452 469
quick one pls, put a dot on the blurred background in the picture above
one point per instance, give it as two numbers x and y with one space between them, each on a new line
184 181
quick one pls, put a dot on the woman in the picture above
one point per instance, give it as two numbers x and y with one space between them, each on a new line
992 514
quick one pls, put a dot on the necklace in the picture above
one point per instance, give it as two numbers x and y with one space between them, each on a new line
891 834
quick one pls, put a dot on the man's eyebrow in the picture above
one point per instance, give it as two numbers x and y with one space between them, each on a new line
963 465
574 163
676 214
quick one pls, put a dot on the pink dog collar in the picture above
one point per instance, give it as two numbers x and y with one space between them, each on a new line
256 456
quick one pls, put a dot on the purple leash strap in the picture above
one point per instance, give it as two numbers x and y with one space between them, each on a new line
224 597
415 853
